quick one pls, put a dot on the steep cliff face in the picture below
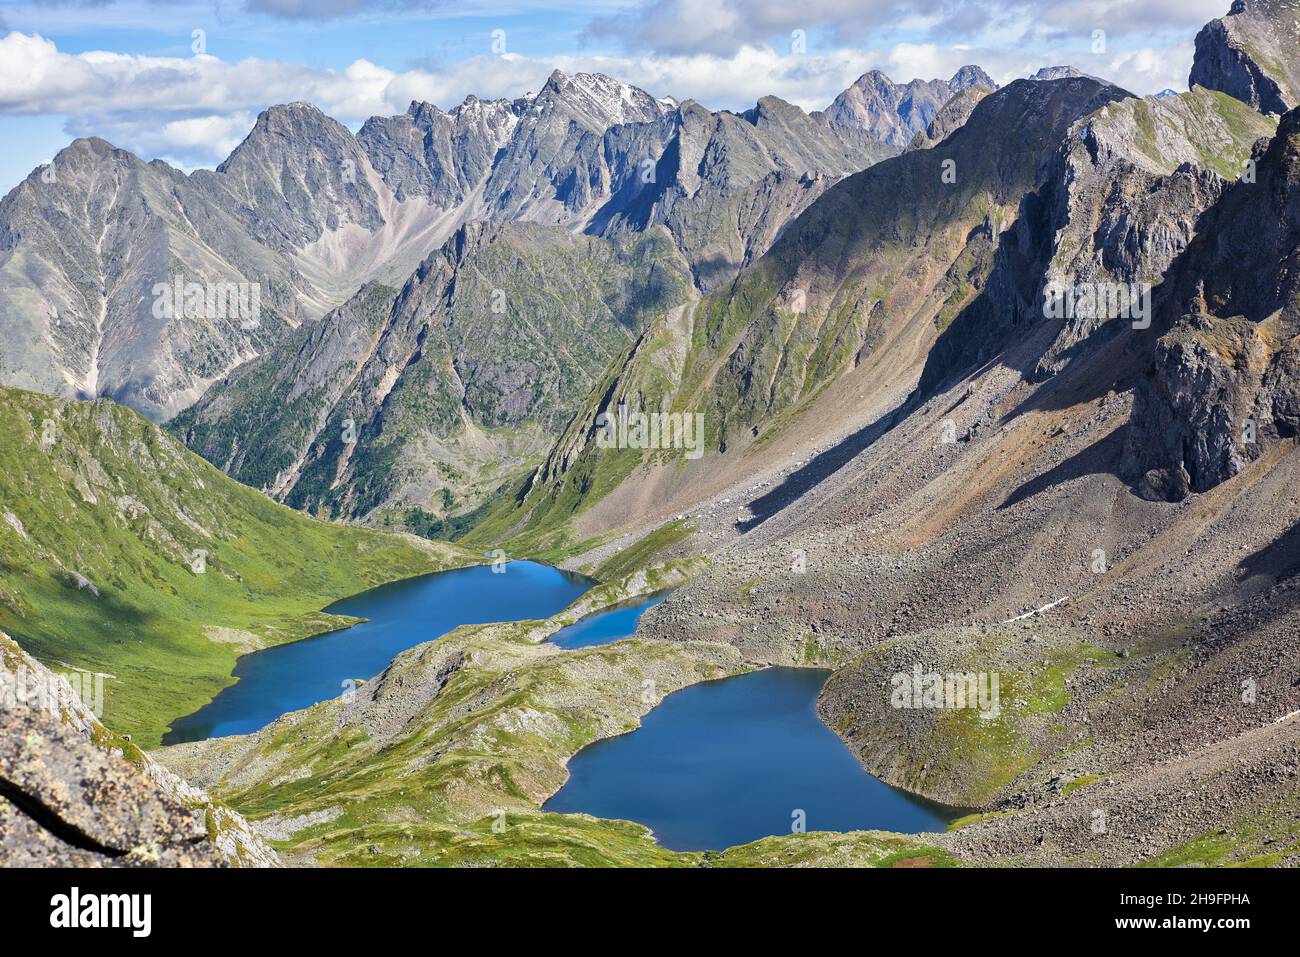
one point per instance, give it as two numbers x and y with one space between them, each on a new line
555 166
1120 200
950 118
441 156
297 174
1253 54
1224 388
74 795
1133 181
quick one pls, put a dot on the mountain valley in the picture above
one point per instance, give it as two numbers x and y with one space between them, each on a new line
916 459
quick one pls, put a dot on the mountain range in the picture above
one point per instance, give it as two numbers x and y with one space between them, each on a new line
310 212
991 379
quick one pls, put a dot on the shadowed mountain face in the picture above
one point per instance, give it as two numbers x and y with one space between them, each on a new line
1224 389
931 264
303 214
884 262
1253 54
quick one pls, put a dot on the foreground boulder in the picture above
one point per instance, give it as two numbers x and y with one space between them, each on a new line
71 794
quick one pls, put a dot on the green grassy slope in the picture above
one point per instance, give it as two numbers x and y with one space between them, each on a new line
103 519
447 757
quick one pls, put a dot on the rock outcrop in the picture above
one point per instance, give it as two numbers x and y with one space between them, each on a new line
1253 54
1224 388
1133 181
72 794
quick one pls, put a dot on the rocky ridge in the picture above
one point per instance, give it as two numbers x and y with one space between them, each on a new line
307 213
74 795
1253 54
897 112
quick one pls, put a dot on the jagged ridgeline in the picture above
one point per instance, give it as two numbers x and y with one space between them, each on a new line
876 269
126 554
929 264
405 403
307 220
309 212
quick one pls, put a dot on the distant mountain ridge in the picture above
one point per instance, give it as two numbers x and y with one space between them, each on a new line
407 404
309 212
896 112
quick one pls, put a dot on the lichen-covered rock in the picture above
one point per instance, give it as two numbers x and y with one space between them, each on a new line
71 794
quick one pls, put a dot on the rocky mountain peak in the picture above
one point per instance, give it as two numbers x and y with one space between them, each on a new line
895 113
422 112
602 100
282 130
1059 73
969 76
1253 54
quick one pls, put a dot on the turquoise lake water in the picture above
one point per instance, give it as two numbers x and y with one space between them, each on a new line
728 762
400 615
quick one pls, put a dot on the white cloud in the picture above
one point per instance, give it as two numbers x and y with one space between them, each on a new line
194 110
723 26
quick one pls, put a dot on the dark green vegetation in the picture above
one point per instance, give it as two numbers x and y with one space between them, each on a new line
404 406
125 553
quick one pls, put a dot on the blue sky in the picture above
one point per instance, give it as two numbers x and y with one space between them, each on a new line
128 70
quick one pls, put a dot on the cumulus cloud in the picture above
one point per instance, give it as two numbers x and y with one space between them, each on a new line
194 110
723 26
